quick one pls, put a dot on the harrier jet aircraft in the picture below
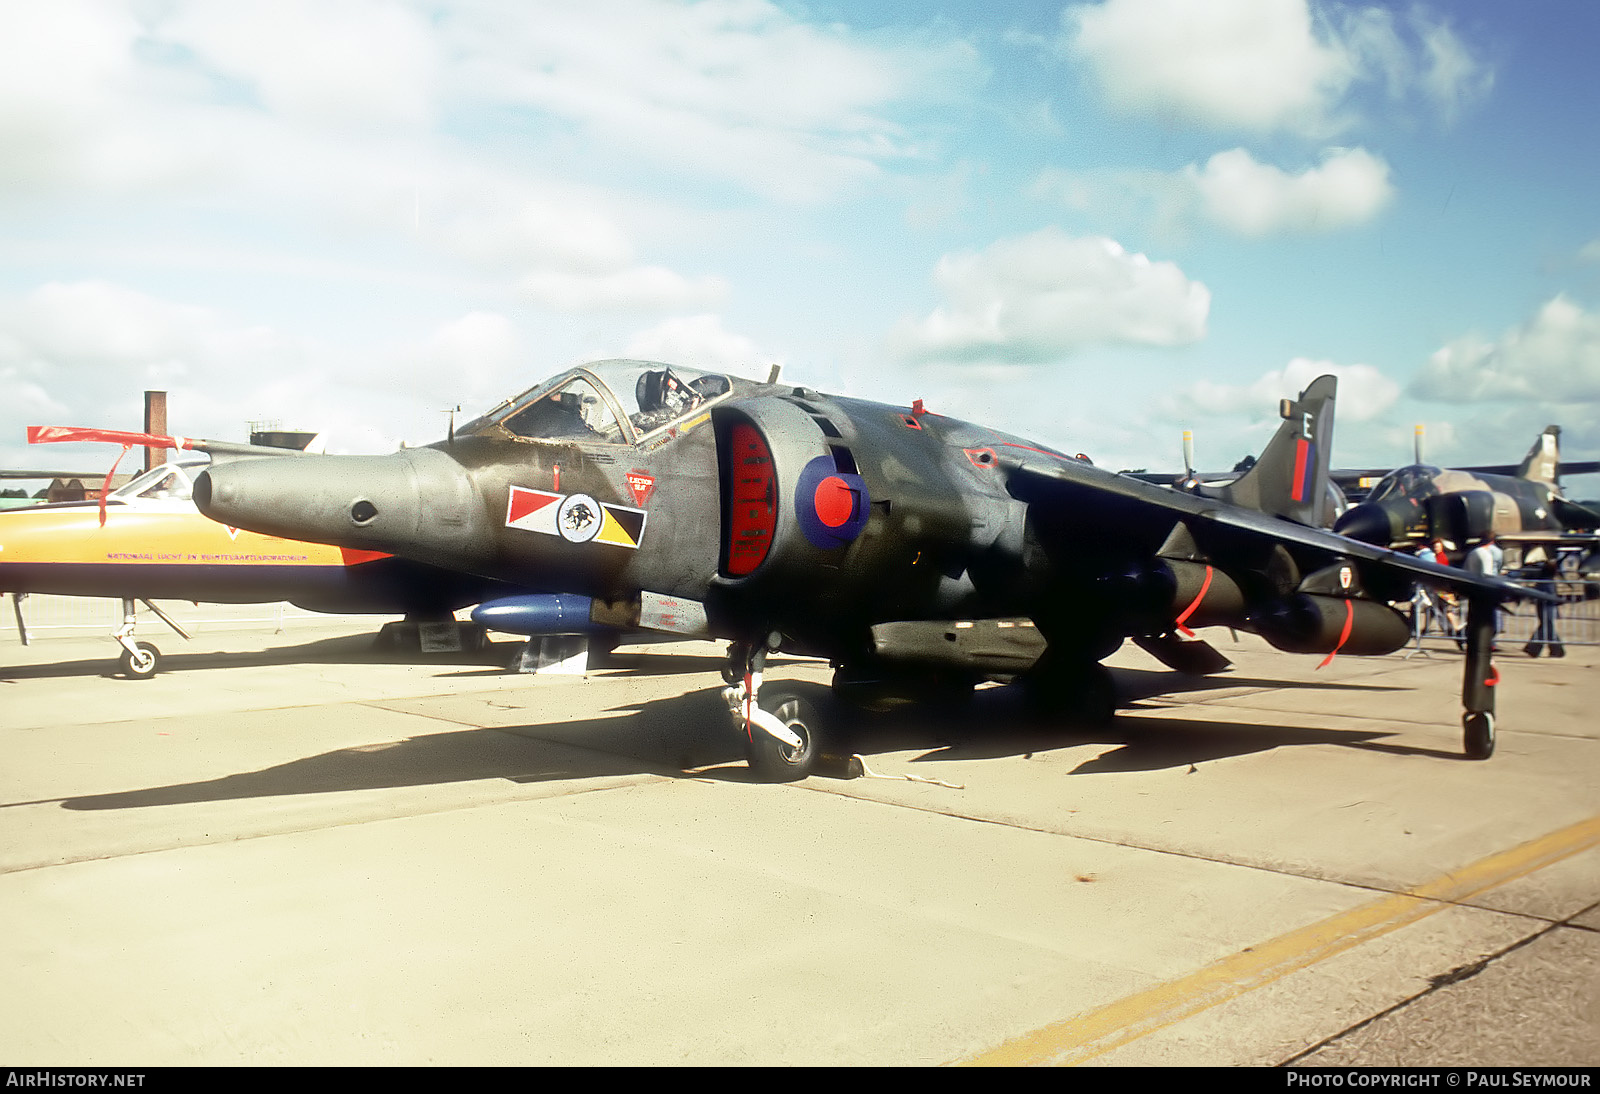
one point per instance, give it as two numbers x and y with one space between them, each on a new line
781 518
1523 506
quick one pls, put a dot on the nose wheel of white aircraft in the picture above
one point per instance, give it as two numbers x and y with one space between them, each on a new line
140 662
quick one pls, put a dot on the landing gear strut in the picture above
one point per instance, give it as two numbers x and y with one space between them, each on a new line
1078 690
780 726
140 660
1478 680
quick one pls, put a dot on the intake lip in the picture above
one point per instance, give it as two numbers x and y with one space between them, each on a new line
1368 522
202 490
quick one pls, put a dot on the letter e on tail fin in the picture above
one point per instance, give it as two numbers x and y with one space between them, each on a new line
1290 479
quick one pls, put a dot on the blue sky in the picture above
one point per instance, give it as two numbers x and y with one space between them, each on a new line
1094 224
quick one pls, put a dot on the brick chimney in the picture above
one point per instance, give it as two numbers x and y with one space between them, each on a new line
155 421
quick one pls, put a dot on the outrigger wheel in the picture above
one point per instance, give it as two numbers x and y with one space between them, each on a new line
1478 734
140 662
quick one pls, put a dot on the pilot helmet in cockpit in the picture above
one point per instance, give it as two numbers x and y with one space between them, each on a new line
660 390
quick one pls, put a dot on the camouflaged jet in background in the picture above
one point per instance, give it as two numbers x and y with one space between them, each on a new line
1523 506
912 550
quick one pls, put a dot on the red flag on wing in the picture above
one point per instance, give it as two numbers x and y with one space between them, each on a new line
45 434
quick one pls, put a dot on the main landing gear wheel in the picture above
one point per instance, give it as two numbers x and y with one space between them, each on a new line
867 689
1084 695
1478 735
140 662
773 760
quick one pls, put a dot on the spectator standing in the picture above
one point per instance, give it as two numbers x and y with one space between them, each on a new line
1544 636
1487 558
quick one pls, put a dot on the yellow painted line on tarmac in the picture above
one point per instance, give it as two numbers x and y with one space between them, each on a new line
1086 1036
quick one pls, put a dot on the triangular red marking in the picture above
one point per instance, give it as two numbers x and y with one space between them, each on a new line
524 502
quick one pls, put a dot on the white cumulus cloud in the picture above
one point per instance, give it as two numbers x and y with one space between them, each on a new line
1364 392
80 353
641 287
1350 187
737 89
700 341
1553 357
1252 64
1039 297
449 129
1266 65
337 63
1347 188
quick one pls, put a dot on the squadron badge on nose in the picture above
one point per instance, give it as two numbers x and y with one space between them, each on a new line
576 518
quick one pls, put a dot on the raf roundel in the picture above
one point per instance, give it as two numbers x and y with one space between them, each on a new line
831 505
834 501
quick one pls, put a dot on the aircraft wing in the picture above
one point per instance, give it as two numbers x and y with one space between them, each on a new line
1576 515
1109 500
1351 478
26 474
65 434
1567 467
1549 539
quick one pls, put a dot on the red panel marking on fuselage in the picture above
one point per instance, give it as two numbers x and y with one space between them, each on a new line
1301 450
524 502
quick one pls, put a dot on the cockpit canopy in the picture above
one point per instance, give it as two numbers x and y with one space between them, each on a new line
1415 481
164 482
606 402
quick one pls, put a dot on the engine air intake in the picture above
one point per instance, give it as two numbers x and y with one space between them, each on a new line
752 501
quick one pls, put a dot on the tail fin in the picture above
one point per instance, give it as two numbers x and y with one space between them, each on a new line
1543 461
1290 479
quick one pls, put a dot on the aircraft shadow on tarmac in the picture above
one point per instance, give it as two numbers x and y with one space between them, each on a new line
353 649
642 663
996 723
666 736
689 735
491 659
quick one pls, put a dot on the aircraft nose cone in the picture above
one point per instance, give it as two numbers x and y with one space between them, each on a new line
1369 522
418 503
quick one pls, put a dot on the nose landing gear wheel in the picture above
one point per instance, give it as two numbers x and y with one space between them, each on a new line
140 662
773 760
